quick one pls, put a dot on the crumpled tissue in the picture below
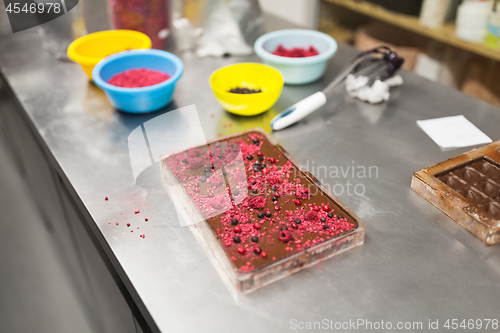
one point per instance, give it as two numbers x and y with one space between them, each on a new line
378 92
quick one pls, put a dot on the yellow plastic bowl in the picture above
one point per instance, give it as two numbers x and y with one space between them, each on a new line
247 75
90 49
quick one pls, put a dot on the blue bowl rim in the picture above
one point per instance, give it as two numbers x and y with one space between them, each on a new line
96 77
324 56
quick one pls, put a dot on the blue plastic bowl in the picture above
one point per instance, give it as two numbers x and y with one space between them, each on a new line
145 99
297 70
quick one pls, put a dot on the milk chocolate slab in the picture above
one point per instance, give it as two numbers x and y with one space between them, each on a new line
466 188
256 210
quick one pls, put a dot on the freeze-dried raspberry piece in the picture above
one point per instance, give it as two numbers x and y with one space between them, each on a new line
257 202
311 216
303 192
195 163
218 202
285 236
215 180
275 180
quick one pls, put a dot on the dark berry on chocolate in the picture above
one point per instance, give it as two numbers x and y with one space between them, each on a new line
330 215
256 169
325 227
323 219
261 158
258 164
256 141
260 215
274 188
255 190
284 228
274 198
184 160
255 239
268 214
203 179
234 221
340 216
297 220
249 157
264 166
236 239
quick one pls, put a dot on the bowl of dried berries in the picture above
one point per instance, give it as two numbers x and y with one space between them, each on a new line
139 81
246 89
300 55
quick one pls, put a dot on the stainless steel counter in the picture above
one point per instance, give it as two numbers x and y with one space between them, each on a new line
416 263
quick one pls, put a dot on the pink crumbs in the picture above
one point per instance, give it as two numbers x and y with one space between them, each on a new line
137 78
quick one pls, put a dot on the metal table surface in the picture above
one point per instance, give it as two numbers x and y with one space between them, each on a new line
416 263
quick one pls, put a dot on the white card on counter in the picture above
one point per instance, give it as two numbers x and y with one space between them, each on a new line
453 132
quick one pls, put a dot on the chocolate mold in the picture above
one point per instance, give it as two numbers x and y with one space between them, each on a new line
256 212
466 188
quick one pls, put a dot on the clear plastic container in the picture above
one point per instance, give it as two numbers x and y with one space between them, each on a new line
248 263
147 16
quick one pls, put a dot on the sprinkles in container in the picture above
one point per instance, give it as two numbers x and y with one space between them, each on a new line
147 16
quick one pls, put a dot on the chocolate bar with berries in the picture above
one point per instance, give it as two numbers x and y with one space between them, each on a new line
260 214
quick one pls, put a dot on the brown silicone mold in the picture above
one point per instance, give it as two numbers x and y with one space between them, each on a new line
466 188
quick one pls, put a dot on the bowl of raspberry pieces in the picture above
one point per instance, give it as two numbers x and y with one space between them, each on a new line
300 55
139 81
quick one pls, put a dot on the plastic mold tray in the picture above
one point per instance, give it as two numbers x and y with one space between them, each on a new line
467 189
209 206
